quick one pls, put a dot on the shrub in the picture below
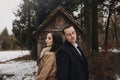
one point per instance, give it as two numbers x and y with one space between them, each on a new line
104 66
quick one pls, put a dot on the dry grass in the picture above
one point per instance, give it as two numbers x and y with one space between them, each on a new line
26 57
104 66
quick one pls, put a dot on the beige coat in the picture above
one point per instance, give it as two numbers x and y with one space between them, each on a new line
47 66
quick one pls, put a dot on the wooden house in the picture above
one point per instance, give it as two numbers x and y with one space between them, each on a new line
55 23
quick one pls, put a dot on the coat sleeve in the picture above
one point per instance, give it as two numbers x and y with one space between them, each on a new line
62 61
47 67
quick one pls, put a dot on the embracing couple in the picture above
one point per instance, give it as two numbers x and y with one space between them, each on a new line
62 61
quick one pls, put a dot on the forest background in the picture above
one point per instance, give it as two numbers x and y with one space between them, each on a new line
100 18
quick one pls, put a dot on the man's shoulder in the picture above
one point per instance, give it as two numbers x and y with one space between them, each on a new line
63 48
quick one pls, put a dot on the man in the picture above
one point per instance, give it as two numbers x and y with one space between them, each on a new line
71 63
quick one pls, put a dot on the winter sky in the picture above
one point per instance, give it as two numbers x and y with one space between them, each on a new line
7 7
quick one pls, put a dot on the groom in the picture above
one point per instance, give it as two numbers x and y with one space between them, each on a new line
71 63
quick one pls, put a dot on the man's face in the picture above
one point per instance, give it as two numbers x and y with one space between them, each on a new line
70 35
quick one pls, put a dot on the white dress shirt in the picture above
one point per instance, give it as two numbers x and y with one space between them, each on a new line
76 45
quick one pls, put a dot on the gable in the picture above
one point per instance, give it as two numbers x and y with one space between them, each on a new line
57 19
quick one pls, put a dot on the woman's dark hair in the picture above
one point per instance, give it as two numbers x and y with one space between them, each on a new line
57 41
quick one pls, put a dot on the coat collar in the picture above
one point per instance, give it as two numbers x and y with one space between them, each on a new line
44 50
74 51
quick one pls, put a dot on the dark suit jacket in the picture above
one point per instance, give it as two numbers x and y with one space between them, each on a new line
70 65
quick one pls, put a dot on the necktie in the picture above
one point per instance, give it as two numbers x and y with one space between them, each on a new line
78 50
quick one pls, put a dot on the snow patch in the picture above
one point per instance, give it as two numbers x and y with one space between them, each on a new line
114 50
8 55
17 70
22 70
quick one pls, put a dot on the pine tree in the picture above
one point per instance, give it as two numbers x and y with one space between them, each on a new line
4 38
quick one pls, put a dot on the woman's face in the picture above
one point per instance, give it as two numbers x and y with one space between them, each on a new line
49 40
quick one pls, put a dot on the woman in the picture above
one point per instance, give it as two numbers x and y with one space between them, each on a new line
47 64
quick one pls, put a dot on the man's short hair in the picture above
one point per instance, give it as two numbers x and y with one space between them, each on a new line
65 27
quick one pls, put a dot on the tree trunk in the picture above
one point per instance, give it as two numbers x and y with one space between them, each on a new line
115 29
94 27
107 30
87 24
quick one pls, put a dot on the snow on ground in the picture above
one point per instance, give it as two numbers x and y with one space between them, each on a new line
17 70
7 55
118 77
22 70
114 50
